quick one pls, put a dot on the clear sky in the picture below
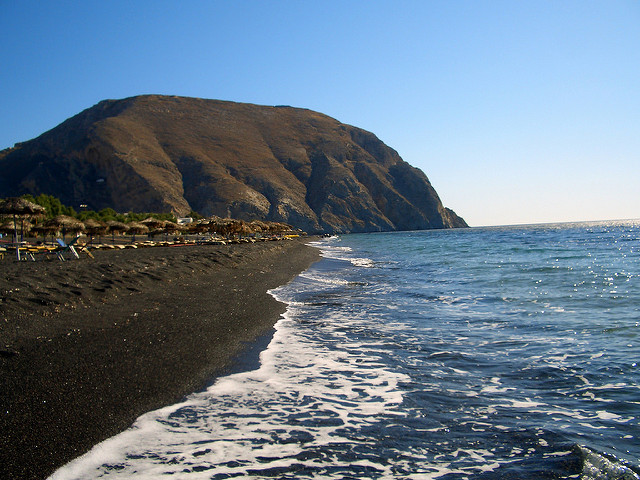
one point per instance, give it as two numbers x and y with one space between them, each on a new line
518 111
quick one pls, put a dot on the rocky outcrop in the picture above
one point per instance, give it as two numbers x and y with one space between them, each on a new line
159 153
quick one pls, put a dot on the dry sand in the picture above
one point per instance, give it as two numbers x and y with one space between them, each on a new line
86 346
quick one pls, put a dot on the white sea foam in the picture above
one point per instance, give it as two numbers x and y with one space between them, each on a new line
337 252
305 395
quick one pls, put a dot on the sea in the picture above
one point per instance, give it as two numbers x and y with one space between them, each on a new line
482 353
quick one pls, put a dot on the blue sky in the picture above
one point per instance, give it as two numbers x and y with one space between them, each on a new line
517 111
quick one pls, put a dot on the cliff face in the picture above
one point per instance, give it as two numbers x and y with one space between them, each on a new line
159 153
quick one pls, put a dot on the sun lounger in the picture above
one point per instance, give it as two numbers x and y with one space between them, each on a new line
66 247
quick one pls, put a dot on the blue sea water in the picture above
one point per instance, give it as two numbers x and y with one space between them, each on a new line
484 353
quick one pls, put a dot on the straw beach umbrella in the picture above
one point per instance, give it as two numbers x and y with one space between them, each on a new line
19 207
245 229
171 227
201 226
67 224
259 226
154 225
136 228
115 226
45 229
279 227
94 227
220 226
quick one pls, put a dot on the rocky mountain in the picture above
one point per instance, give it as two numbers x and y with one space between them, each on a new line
162 153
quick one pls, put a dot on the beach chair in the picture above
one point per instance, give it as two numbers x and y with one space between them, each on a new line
84 247
27 253
66 247
21 251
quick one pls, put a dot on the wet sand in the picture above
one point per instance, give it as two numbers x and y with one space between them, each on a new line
86 346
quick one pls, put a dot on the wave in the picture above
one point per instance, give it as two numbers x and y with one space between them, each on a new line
328 249
598 466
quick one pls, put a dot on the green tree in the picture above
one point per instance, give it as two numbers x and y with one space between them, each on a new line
195 215
107 214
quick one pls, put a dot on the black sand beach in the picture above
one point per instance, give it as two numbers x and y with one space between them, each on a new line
86 346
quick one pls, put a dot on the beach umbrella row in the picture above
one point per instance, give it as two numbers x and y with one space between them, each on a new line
228 226
23 209
91 227
65 224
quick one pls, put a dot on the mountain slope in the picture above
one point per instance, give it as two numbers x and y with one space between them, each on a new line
160 153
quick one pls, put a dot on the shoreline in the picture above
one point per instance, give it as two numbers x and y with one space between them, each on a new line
87 346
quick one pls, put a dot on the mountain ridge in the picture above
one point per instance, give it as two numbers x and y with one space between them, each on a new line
168 153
